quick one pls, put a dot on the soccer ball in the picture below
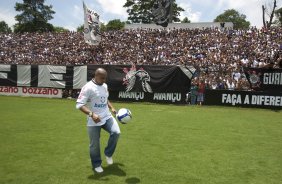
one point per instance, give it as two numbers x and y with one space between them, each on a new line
124 115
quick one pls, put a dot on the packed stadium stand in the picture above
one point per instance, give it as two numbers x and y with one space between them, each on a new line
218 53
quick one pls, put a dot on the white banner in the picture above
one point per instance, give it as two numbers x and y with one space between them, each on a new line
31 92
92 34
79 76
52 76
24 75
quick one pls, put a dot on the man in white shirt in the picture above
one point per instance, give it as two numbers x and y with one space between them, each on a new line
93 101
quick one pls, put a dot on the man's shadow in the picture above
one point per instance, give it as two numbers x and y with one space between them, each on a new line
110 170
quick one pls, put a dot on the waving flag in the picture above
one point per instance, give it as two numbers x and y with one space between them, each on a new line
161 12
92 34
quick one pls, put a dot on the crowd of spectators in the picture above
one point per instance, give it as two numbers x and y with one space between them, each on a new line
218 54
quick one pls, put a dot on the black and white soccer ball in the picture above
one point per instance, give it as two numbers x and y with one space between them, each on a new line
124 115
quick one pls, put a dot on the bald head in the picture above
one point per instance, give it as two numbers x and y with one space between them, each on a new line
101 71
100 76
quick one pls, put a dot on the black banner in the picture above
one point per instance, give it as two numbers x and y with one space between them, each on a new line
144 78
262 79
271 100
143 83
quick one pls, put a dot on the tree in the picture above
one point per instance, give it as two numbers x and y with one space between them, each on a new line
4 28
268 11
115 24
103 27
231 15
140 11
80 28
278 14
59 29
127 22
34 17
186 20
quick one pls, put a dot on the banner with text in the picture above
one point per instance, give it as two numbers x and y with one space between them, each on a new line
29 91
262 79
244 98
170 98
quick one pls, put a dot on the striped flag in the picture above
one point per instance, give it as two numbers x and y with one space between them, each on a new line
92 34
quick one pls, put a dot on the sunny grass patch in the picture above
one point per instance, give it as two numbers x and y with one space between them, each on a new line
45 141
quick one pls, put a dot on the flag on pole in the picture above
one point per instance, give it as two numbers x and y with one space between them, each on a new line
92 34
162 12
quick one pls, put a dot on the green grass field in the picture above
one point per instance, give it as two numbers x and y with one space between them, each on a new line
45 141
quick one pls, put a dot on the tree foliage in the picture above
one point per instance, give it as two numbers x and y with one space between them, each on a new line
34 16
239 20
59 29
140 11
186 20
115 24
80 28
4 28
